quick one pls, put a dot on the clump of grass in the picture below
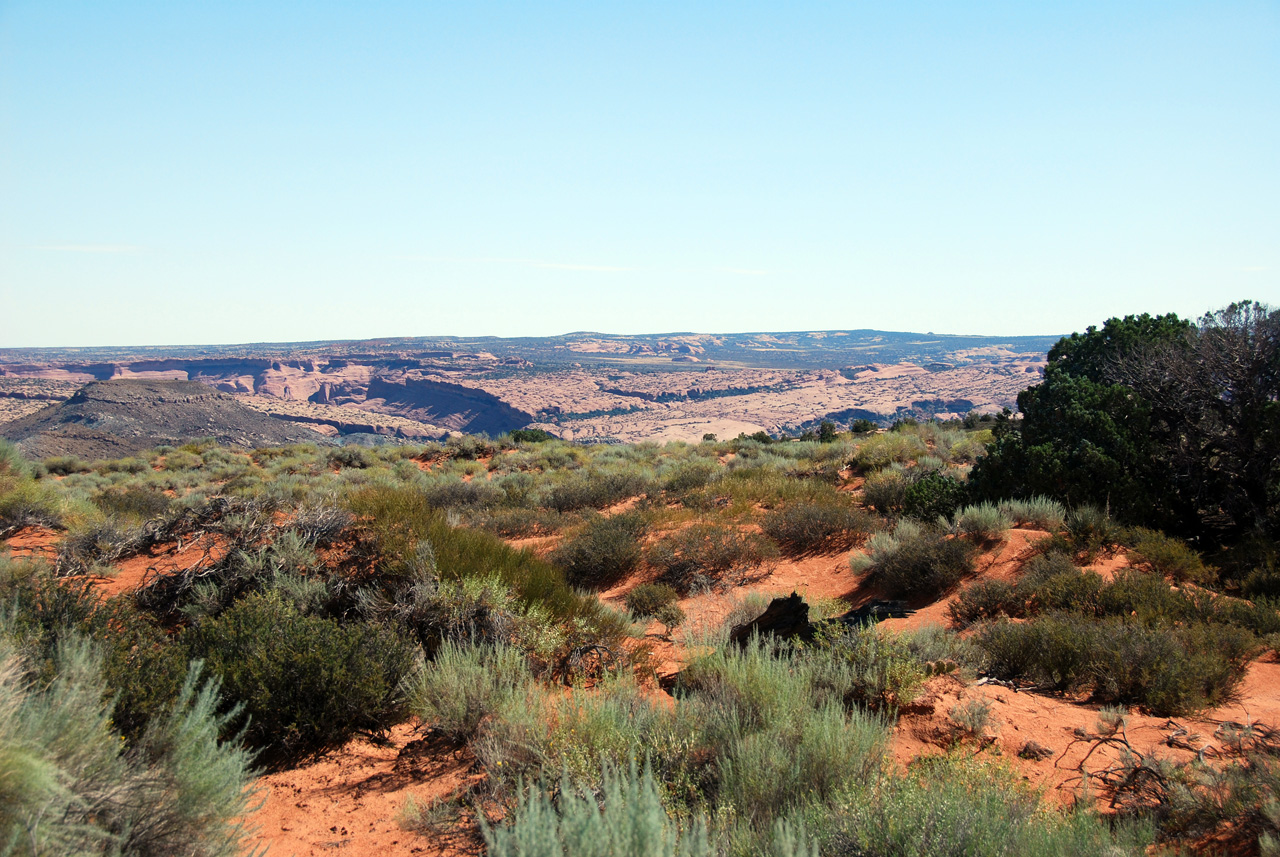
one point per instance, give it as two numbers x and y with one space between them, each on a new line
886 490
881 450
971 719
952 806
986 600
1039 512
985 524
1090 531
1169 557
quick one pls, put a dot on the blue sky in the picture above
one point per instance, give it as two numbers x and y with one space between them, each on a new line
232 172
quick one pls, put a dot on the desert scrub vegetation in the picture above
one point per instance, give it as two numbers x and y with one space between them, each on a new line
934 494
1132 640
825 524
305 683
955 806
72 782
985 524
604 552
914 561
388 596
704 555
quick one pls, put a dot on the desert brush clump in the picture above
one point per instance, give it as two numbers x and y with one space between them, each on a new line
914 561
704 555
306 683
1039 512
885 490
984 524
72 785
464 684
824 525
935 494
952 806
604 552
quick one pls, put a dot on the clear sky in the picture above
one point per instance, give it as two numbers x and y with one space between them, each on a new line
183 172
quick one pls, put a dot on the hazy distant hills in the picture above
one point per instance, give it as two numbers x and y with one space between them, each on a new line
584 386
795 350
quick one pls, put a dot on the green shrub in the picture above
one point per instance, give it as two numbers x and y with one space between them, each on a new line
469 447
952 807
862 426
25 502
1169 557
65 465
1090 530
827 525
971 719
860 667
184 460
914 561
305 682
1166 670
881 450
68 785
886 490
137 502
142 668
454 493
1062 586
774 719
986 600
595 490
934 495
628 820
1171 671
671 615
395 521
705 554
687 476
350 456
647 599
531 436
465 684
603 553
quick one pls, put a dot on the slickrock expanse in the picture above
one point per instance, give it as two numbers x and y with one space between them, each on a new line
587 387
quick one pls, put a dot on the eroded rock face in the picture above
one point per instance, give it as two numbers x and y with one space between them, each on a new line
113 419
591 387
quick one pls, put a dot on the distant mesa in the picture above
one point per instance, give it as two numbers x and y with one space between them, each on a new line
117 418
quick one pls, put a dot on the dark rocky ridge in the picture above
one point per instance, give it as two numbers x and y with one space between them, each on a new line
112 419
